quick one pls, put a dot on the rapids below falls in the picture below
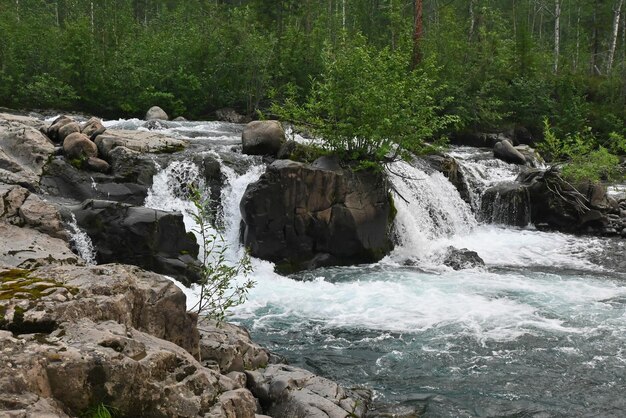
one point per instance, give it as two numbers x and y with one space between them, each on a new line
539 331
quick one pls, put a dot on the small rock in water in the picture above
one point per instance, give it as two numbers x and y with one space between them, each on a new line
462 258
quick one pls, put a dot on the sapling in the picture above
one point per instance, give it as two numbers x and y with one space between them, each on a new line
219 290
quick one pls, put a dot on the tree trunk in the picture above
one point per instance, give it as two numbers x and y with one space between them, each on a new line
557 34
595 41
614 34
418 32
472 17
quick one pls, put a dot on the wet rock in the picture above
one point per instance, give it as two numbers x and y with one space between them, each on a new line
263 137
180 119
470 139
449 167
459 259
155 125
92 128
28 248
149 238
505 151
79 146
155 112
139 141
300 216
533 158
131 166
506 204
286 391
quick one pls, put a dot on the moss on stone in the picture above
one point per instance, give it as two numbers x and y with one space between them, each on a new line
17 284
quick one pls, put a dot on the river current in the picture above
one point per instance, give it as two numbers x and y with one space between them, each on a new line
540 330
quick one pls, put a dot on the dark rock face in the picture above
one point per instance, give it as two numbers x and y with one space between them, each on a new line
546 200
149 238
505 151
263 137
63 179
303 217
507 204
449 167
463 258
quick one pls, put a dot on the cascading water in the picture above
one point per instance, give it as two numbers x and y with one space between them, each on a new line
81 242
540 331
429 207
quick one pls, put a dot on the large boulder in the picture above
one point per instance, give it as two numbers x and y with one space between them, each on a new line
303 216
155 112
52 294
112 335
24 151
505 151
263 137
79 146
549 201
149 238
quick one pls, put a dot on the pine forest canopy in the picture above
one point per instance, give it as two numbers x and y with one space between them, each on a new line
485 64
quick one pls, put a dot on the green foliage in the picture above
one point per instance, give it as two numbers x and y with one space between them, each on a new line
594 166
100 411
582 158
46 91
219 290
367 105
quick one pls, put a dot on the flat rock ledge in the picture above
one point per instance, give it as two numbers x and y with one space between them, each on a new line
74 337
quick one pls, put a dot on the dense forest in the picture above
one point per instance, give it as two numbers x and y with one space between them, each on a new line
483 64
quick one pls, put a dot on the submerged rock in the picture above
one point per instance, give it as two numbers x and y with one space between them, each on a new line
463 258
300 216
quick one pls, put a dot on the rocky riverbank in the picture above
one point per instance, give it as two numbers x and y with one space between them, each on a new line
75 337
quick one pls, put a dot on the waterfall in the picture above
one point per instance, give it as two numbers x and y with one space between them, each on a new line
81 242
429 208
481 171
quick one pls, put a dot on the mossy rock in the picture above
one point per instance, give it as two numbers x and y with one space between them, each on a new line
17 284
